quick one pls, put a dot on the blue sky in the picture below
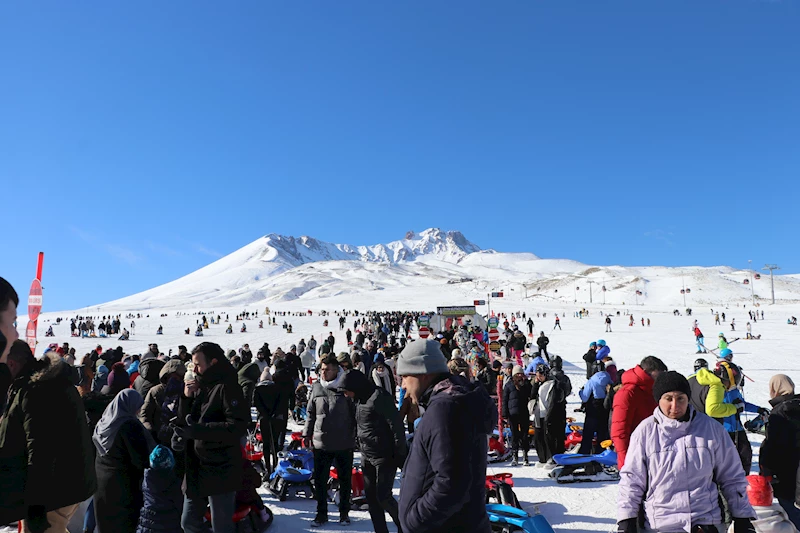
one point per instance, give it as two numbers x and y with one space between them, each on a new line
141 140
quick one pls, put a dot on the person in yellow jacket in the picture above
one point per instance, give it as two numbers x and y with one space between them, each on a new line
708 394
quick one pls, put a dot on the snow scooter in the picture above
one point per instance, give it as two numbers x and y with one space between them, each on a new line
505 519
574 468
498 452
294 470
358 497
500 488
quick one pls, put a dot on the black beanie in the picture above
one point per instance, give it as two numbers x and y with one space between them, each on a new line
670 382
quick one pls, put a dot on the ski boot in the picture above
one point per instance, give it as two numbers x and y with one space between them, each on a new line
514 460
525 460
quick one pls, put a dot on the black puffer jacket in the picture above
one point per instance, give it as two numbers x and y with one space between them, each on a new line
699 394
380 429
542 342
780 451
45 444
214 456
518 340
148 376
248 377
515 401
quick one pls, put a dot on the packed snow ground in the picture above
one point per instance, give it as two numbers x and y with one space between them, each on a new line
580 507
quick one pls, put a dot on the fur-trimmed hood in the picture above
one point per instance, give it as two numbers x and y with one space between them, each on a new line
52 366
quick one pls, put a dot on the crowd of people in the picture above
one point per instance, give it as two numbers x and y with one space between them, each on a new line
157 442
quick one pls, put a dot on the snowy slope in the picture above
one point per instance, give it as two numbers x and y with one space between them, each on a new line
589 507
277 268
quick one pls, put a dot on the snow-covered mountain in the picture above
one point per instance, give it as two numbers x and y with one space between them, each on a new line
440 267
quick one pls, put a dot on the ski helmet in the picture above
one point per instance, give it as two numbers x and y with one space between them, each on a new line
726 354
601 342
721 335
730 373
700 363
592 344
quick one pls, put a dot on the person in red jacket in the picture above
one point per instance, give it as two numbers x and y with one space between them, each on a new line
633 402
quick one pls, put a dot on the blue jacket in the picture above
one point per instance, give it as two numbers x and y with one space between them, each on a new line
595 386
163 502
733 423
531 368
602 352
443 484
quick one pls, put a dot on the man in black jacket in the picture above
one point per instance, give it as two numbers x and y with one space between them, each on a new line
9 300
382 441
149 370
444 477
216 417
542 343
271 399
46 464
590 357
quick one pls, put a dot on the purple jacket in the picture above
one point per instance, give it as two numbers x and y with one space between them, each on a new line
671 467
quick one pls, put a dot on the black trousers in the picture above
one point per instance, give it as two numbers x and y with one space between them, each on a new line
272 428
343 461
596 422
378 483
745 451
519 432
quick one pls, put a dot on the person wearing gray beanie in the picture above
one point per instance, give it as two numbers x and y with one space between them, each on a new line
449 446
422 357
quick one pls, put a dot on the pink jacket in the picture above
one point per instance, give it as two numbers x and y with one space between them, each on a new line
671 468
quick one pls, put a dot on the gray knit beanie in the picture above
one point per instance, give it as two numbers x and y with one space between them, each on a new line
422 357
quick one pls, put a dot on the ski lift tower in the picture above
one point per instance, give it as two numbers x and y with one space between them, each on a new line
752 285
771 278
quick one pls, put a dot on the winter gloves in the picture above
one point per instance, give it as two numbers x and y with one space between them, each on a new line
739 404
180 434
37 519
628 525
743 525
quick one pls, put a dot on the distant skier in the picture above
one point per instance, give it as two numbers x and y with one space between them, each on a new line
631 322
723 317
749 331
608 324
698 335
716 320
733 324
530 327
558 323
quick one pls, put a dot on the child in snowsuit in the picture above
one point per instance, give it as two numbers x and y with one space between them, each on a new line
163 499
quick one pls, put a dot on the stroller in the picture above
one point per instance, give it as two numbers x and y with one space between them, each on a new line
295 470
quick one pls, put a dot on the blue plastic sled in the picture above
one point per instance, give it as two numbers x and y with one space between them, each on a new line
607 458
511 516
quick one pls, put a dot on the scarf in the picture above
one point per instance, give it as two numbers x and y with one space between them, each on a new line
336 383
382 380
123 407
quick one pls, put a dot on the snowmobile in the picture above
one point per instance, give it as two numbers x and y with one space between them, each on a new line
574 468
295 470
500 488
505 519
